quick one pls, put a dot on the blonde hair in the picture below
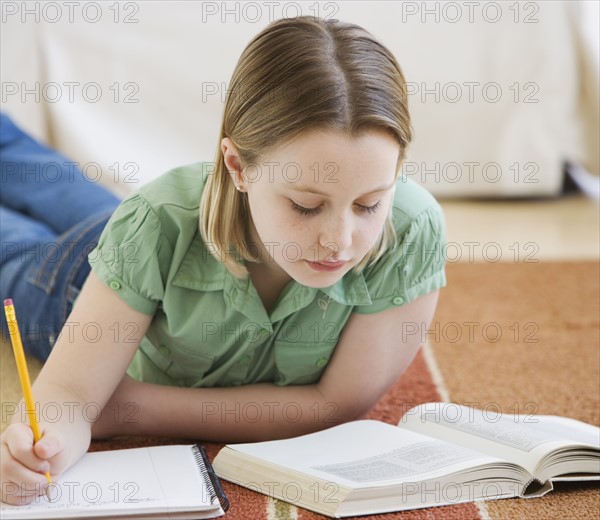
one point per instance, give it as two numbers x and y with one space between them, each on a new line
342 79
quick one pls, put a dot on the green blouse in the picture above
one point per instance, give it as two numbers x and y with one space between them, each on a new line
211 328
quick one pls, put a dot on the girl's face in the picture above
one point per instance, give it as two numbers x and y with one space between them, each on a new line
319 203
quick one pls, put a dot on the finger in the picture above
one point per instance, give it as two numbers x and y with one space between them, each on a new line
20 485
19 442
50 445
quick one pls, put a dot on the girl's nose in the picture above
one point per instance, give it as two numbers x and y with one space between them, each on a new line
336 235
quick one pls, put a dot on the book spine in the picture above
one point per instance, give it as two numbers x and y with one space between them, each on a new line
210 478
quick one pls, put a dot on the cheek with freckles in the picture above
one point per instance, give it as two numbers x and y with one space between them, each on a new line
292 240
280 233
368 234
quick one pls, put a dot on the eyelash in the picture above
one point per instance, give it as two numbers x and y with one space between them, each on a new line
314 211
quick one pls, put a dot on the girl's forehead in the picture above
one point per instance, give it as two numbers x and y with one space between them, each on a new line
323 161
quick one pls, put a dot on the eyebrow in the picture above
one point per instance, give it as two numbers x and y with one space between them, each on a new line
307 189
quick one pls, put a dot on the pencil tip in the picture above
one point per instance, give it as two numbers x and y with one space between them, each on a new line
8 301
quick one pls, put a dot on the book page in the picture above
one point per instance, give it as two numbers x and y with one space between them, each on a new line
509 437
360 453
415 459
122 481
571 429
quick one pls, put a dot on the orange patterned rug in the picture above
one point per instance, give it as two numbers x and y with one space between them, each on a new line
517 337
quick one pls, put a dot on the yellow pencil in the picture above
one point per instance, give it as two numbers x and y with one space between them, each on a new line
15 338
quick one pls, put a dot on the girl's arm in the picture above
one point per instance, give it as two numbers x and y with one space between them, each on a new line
373 352
86 364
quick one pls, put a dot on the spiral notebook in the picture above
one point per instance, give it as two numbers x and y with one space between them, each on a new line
145 483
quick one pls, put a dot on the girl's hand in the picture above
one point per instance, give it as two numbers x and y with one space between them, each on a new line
23 464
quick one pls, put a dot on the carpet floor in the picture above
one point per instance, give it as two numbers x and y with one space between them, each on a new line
521 337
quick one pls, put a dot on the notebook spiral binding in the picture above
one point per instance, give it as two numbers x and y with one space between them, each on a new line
210 478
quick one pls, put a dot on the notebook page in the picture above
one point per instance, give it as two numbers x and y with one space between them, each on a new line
115 482
181 480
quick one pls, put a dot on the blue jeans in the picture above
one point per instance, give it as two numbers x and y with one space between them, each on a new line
51 217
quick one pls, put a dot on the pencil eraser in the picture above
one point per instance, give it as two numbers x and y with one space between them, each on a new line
8 301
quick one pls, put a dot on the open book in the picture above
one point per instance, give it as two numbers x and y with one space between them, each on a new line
144 483
440 453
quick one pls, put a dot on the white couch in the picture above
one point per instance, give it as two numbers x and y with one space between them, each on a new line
501 92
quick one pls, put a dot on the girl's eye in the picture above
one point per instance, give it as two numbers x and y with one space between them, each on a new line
305 211
369 209
314 211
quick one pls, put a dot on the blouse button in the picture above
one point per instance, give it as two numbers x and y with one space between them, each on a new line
165 350
397 300
321 362
114 285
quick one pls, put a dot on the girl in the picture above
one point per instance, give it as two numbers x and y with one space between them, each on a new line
267 295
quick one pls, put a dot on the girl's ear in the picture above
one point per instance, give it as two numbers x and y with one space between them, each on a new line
233 163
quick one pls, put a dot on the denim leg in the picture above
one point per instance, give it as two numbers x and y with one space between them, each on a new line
39 182
21 235
51 217
43 274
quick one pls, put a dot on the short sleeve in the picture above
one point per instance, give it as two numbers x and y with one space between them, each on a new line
414 267
132 255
